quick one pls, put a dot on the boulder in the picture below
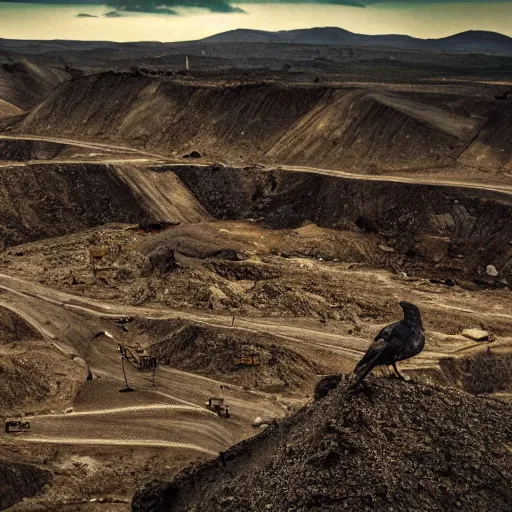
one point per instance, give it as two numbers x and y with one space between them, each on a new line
476 334
491 271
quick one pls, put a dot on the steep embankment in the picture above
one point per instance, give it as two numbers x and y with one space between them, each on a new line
458 229
41 201
28 380
23 150
390 445
493 147
24 84
20 481
319 126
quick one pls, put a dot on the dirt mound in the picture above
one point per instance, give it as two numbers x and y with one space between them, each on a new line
24 83
336 128
216 352
485 372
20 481
391 445
202 241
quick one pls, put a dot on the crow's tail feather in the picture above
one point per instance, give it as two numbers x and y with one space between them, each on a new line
359 373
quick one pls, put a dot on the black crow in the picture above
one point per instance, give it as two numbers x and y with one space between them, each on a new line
396 342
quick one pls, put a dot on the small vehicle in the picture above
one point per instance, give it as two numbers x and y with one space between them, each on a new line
16 426
248 360
217 405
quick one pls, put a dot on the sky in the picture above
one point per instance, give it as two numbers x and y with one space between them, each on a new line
184 20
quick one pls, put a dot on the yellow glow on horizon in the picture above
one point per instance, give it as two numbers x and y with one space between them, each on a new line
23 21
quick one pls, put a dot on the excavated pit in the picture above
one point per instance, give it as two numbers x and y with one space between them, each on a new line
452 231
456 230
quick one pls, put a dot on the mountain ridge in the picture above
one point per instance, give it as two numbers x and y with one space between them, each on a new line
468 41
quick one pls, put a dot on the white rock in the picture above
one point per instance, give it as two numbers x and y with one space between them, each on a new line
491 271
386 248
257 422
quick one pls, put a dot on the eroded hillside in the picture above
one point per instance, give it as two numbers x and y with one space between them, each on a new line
349 128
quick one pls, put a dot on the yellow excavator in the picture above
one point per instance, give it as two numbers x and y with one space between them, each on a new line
252 359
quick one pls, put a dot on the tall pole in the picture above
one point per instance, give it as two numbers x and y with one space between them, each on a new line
127 388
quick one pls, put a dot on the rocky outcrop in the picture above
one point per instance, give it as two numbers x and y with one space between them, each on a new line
390 444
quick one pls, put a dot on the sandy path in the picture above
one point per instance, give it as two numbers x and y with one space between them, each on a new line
139 443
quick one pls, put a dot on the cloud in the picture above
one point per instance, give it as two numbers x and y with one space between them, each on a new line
148 6
169 6
230 6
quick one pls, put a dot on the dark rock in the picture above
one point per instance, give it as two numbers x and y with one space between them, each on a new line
193 154
395 445
325 385
162 259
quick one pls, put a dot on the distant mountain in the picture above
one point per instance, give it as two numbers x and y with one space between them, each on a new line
471 41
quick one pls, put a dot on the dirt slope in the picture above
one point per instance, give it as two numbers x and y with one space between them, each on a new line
214 352
162 195
24 83
322 126
23 150
8 110
29 380
392 444
40 201
20 481
439 224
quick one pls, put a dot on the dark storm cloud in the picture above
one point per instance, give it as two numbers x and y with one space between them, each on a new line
145 6
229 6
168 6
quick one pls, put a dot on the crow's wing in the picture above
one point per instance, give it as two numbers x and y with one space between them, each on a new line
373 353
387 331
379 345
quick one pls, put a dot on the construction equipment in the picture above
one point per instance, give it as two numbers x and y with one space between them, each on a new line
137 357
14 426
217 405
248 360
